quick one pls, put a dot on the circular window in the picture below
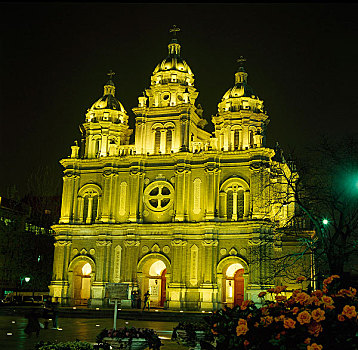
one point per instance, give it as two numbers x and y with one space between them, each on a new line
166 97
158 196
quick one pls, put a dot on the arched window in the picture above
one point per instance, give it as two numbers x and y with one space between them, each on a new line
157 141
88 203
90 207
97 147
234 199
251 138
237 139
235 203
169 139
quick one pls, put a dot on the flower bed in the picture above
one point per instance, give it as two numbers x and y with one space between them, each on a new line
323 319
129 338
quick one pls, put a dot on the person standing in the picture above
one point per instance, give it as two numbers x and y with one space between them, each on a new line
33 324
54 307
146 300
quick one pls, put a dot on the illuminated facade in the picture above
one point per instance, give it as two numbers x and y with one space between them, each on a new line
181 211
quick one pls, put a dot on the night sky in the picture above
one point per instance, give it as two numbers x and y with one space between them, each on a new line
301 60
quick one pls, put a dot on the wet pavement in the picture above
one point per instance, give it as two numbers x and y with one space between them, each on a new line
13 337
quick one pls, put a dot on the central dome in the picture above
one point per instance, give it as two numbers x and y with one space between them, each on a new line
173 61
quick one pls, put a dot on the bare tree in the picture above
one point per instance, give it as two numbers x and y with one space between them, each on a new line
323 188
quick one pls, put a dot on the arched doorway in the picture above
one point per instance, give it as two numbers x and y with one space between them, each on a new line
234 285
82 283
157 283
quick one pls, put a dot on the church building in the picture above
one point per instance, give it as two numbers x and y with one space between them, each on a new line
181 212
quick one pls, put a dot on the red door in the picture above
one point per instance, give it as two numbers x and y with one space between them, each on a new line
163 288
238 287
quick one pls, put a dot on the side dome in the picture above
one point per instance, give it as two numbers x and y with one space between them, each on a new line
108 100
241 88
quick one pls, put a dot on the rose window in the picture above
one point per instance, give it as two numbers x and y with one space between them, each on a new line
158 196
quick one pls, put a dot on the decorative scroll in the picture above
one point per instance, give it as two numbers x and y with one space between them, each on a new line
197 193
194 252
117 264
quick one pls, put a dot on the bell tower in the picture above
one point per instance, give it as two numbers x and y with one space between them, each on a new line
167 119
106 125
241 121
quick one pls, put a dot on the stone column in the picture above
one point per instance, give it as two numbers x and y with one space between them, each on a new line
180 193
130 255
89 210
135 180
107 195
234 204
208 289
67 197
104 142
184 140
246 204
232 140
222 208
210 171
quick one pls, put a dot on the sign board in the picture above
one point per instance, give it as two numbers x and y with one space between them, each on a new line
117 291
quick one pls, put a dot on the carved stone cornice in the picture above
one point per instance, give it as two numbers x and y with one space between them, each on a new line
131 243
62 243
178 243
103 243
209 243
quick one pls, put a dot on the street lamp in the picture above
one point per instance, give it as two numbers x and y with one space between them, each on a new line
325 222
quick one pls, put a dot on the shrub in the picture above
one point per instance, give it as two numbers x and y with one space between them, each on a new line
323 319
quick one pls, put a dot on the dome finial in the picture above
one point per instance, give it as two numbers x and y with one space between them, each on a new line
241 60
110 74
109 87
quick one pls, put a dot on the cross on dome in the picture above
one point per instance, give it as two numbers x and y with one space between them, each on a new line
110 74
174 30
241 61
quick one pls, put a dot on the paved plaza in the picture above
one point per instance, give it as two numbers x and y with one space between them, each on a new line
12 336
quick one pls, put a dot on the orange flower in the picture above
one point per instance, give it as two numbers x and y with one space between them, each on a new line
313 300
304 317
256 324
349 293
266 321
280 298
264 311
279 318
241 329
349 311
245 304
301 279
262 294
295 310
327 280
246 343
318 315
315 328
317 293
314 346
214 332
307 340
289 323
328 302
241 321
340 318
302 298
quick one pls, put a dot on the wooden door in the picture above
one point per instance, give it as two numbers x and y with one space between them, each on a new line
238 287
